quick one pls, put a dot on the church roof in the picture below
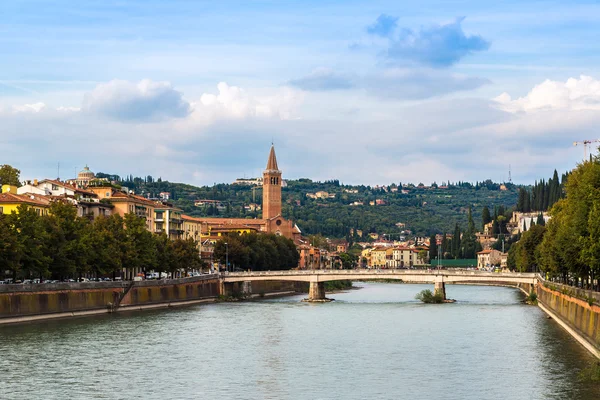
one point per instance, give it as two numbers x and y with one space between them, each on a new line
272 163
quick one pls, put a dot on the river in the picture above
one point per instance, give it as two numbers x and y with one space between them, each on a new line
373 343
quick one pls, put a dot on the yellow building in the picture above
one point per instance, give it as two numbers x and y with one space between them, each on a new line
168 219
10 201
378 257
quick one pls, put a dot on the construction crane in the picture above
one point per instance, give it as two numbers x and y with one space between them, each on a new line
585 144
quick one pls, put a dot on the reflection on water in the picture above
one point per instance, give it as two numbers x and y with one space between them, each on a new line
373 343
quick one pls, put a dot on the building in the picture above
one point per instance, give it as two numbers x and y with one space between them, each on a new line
168 220
219 205
248 181
128 203
10 200
489 258
405 257
378 257
50 187
271 222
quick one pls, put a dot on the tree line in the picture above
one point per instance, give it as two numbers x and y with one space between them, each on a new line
62 246
258 252
542 196
568 246
461 245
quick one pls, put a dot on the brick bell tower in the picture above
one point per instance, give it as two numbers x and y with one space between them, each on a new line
271 206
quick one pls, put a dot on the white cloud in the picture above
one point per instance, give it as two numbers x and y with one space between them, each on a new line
234 103
32 108
142 101
574 94
68 109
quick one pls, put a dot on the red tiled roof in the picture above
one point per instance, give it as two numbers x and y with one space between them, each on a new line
225 221
68 186
21 198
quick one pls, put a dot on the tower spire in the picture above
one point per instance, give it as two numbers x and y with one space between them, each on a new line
271 188
272 162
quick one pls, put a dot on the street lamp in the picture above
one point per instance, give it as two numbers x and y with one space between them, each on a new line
226 257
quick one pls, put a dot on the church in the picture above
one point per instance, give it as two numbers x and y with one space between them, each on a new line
272 221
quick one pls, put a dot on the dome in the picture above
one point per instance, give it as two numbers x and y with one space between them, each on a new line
86 173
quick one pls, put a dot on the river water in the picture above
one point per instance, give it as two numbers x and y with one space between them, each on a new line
373 343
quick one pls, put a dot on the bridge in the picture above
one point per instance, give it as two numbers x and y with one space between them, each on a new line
439 278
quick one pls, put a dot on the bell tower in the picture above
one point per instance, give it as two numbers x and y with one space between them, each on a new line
271 206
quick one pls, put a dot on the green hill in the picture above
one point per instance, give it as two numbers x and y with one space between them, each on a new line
423 210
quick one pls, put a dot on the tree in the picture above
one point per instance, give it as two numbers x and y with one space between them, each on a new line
11 249
540 220
65 245
433 250
590 249
140 248
456 242
526 254
103 242
348 261
486 218
9 175
32 242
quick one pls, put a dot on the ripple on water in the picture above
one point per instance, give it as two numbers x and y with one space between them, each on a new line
372 343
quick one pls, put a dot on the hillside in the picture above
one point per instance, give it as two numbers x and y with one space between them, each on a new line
423 210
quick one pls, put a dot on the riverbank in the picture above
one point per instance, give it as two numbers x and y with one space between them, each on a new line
27 303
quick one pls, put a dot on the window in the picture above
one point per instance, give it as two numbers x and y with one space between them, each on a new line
1 210
54 187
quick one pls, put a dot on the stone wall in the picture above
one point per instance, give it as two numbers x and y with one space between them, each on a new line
156 292
25 303
42 299
578 314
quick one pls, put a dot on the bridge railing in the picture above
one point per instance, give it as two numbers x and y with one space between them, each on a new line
380 272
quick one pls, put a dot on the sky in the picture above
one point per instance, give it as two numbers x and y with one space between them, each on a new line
367 92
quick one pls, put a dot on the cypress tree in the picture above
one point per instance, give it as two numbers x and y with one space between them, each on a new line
540 220
456 242
433 251
486 218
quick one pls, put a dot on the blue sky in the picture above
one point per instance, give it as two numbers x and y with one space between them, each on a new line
368 92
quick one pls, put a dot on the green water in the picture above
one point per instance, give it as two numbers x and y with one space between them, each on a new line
373 343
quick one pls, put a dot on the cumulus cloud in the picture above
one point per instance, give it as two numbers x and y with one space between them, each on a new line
383 26
142 101
234 103
435 46
574 94
392 83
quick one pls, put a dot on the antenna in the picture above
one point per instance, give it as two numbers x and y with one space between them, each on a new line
58 171
509 176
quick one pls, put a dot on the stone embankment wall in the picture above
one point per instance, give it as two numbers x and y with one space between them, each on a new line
577 308
156 292
47 299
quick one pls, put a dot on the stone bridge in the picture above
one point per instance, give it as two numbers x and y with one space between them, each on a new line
439 278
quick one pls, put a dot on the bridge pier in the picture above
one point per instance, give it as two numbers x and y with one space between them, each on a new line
316 293
440 287
247 288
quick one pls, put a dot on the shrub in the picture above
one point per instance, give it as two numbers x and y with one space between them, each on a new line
591 300
428 297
